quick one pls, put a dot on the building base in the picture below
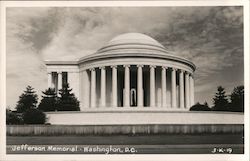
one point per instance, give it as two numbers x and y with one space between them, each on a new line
143 116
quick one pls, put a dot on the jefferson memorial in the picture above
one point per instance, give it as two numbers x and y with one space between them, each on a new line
132 80
131 71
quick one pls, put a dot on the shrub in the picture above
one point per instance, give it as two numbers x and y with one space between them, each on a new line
34 116
13 118
200 107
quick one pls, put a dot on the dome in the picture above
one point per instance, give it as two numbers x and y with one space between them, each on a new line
135 48
132 41
134 38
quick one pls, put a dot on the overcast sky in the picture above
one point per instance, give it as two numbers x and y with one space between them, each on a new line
211 37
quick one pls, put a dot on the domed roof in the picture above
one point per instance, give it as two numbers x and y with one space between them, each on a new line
132 41
134 38
133 47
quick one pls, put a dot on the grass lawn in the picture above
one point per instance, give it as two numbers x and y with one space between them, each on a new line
127 140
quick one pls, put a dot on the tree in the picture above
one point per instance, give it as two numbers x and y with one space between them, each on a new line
200 107
27 100
34 116
220 100
237 99
49 101
67 100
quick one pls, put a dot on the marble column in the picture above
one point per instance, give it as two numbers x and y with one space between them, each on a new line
114 86
93 88
140 85
191 90
181 81
103 86
187 92
173 87
59 80
49 79
126 99
152 86
85 84
163 86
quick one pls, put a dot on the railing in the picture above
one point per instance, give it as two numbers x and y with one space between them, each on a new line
53 130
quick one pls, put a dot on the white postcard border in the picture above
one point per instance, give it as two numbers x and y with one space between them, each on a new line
123 157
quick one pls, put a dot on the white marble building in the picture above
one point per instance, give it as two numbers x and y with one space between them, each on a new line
131 71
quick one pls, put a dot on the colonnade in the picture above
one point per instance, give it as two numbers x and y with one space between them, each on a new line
186 87
185 91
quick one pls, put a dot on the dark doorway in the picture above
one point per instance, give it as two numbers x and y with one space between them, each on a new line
133 98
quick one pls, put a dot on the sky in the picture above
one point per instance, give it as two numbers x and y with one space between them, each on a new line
210 37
